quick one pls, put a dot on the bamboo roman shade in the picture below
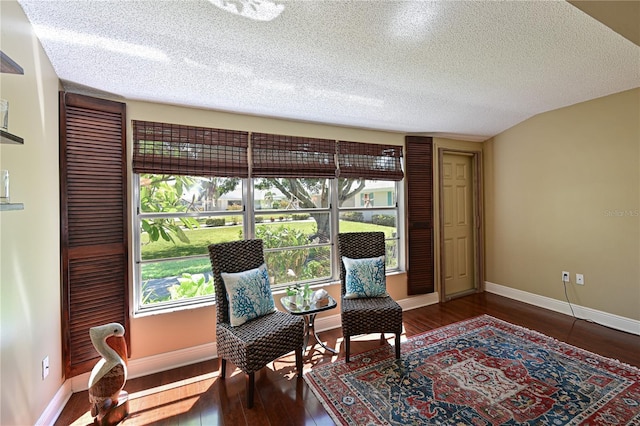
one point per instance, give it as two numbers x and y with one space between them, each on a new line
369 161
175 149
164 148
277 156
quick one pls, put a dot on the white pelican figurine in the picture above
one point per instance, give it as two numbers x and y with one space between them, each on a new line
109 374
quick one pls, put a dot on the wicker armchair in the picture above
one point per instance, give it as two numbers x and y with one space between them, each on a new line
257 342
366 315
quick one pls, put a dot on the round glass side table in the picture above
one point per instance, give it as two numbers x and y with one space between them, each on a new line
309 309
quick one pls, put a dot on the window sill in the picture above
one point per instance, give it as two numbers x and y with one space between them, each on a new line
148 312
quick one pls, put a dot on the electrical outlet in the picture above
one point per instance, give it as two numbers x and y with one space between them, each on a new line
579 279
565 276
45 367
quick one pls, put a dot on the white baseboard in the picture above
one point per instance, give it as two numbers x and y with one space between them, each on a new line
53 410
414 302
166 361
604 318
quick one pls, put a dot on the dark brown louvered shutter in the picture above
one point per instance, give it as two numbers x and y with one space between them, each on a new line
369 161
419 179
279 156
93 214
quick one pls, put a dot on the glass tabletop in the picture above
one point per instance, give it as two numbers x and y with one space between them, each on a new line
309 306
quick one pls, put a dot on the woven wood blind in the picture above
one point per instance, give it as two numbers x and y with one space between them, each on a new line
369 161
419 181
93 214
187 150
290 156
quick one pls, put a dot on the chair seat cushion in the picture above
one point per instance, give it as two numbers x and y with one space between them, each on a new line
249 294
255 343
371 315
365 277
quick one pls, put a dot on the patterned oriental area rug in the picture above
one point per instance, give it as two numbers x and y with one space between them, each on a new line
482 371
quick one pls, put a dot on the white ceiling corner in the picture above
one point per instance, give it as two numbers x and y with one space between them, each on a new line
466 68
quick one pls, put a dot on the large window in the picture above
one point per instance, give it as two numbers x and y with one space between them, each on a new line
193 188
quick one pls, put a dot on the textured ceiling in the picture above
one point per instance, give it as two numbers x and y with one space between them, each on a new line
466 69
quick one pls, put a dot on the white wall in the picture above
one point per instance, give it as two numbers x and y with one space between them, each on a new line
29 247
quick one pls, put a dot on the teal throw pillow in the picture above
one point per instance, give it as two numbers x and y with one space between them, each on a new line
364 277
249 294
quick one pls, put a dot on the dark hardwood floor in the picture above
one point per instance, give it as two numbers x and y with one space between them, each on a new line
194 395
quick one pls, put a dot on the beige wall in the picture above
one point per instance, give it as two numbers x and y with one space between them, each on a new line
29 247
195 327
563 193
